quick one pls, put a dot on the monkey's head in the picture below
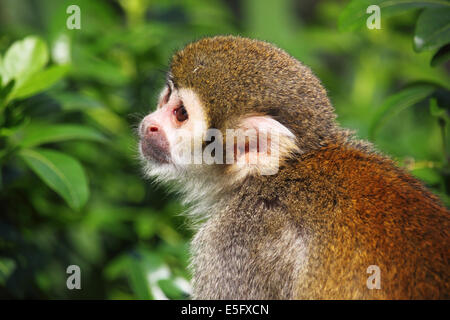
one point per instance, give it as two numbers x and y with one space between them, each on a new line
234 100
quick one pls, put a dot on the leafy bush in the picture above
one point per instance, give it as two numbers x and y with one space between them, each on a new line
432 33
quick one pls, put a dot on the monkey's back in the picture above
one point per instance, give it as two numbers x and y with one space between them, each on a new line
358 209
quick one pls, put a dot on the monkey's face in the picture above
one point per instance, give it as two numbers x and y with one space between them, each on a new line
177 141
167 134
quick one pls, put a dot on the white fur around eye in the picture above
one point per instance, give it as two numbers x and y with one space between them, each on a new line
191 131
182 136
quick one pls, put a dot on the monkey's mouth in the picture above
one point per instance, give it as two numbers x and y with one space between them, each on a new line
154 152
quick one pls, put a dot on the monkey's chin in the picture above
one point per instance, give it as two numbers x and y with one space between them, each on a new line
153 154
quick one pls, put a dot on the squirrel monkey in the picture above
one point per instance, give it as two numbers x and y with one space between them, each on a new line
286 204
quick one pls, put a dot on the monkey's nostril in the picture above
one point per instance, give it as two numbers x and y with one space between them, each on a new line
152 129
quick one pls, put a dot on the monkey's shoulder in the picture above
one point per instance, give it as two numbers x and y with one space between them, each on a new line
346 175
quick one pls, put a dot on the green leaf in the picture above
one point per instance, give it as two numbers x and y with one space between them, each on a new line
23 59
144 271
432 29
398 102
441 56
354 15
4 93
40 81
37 134
1 70
435 111
7 267
138 280
170 289
429 175
61 173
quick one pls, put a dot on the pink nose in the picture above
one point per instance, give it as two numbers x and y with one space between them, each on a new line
153 141
149 127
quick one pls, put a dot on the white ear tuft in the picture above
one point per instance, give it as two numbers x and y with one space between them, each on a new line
266 123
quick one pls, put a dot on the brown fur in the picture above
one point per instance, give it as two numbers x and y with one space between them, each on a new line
332 210
237 76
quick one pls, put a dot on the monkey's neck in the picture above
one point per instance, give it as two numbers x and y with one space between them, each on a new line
213 189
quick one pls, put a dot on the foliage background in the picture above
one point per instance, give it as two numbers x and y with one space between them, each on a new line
81 93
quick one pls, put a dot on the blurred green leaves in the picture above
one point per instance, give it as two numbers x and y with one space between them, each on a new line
149 275
398 102
24 62
432 29
24 58
23 69
354 16
37 134
60 172
70 117
7 266
39 81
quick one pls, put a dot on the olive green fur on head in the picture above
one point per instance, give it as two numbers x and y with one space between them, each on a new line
237 76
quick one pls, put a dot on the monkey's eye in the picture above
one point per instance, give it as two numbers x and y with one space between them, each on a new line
181 113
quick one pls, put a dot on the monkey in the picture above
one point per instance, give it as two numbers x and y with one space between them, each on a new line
319 209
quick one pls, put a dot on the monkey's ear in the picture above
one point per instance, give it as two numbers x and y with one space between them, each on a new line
260 146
